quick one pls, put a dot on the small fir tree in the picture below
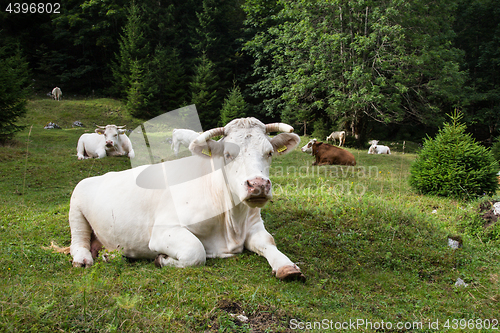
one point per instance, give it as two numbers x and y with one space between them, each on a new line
234 106
169 76
136 95
204 93
453 164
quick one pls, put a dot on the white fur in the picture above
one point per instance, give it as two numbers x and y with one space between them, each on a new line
375 148
182 137
56 93
340 135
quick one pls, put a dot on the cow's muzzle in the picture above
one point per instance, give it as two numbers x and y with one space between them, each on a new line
258 191
109 143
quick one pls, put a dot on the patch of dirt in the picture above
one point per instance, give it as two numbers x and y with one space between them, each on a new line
229 306
264 319
489 217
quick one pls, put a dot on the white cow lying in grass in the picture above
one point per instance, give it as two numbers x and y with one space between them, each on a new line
182 137
56 93
375 148
202 206
107 140
337 136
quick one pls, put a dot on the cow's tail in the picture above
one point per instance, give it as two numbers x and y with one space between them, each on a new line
54 247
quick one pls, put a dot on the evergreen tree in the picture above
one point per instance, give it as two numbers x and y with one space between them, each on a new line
234 106
140 92
133 52
454 164
14 83
204 87
170 78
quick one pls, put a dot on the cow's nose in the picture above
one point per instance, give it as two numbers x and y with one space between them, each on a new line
109 143
258 186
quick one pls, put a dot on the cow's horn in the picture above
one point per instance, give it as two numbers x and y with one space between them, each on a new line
101 126
210 134
279 127
120 127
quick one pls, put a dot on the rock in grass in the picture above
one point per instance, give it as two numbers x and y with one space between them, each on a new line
461 283
52 125
454 242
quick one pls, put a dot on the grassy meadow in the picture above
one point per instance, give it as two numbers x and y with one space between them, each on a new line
375 253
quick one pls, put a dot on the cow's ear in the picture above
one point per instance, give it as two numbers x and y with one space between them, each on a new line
99 130
284 143
207 149
121 131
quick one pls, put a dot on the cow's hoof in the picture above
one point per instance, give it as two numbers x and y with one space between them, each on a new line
159 259
290 273
85 263
82 258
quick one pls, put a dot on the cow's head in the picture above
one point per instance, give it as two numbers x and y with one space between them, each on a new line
111 134
308 147
246 153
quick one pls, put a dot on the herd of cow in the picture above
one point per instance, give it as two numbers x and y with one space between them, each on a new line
208 205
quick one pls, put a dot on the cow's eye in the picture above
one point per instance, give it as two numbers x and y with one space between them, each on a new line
270 154
228 156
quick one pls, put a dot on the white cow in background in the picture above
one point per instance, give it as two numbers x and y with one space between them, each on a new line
375 148
202 206
182 137
56 93
337 136
108 140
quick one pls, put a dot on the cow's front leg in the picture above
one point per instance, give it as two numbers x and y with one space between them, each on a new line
261 242
176 246
100 152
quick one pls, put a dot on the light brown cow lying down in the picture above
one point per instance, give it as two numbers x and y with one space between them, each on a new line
327 154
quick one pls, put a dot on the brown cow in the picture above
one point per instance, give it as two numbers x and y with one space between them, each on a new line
327 154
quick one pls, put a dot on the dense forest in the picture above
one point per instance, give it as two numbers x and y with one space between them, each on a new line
385 69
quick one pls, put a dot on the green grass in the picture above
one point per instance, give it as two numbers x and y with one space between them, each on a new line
371 249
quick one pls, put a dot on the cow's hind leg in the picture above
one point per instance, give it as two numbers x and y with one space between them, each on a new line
95 245
177 247
81 234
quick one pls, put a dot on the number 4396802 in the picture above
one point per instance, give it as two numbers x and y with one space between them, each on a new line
34 8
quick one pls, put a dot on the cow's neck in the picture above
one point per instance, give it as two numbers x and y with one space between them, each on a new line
235 221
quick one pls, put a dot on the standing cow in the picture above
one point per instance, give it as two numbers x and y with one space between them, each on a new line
108 140
182 137
327 154
337 136
183 211
56 93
